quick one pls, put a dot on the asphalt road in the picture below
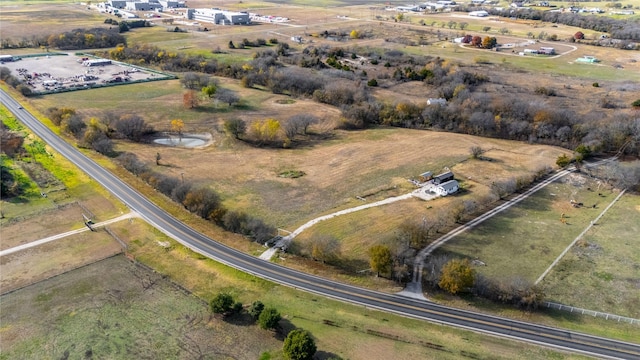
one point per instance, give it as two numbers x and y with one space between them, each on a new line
538 334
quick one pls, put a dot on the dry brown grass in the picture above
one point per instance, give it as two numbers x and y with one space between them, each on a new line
38 263
55 221
24 21
352 164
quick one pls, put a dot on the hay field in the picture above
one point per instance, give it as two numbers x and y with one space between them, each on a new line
349 165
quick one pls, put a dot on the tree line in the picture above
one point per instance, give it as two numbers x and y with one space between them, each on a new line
623 29
298 344
199 199
98 134
94 38
467 111
13 81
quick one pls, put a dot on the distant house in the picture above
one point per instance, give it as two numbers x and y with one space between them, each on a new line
480 13
547 51
219 17
447 188
438 101
118 4
442 178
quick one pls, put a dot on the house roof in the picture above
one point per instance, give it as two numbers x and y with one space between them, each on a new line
444 175
449 185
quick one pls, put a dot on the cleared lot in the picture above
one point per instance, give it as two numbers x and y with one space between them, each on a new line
58 72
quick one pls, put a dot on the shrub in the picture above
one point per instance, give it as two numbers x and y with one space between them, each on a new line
269 318
563 160
476 151
221 303
636 104
541 90
595 84
374 82
299 345
256 309
237 308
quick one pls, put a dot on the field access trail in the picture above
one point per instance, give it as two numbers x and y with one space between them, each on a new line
163 221
14 249
286 240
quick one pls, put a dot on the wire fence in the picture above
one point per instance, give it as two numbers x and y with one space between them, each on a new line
605 316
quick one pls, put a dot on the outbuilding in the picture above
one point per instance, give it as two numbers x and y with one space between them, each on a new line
442 178
425 176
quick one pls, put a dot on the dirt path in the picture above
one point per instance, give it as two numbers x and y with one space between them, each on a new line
285 241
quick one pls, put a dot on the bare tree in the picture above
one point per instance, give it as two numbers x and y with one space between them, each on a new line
299 124
227 96
476 151
325 248
74 125
235 127
132 127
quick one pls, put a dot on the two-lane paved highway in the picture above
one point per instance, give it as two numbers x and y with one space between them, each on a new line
558 338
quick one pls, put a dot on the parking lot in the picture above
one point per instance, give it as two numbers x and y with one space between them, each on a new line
54 73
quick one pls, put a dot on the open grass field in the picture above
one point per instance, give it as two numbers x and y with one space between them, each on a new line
25 19
340 329
357 164
524 240
117 310
605 259
38 263
120 310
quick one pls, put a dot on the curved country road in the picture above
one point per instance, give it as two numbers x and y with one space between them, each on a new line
502 327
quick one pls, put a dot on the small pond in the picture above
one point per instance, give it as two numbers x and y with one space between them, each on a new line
185 141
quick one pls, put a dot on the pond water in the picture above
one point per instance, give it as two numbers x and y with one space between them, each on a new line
185 141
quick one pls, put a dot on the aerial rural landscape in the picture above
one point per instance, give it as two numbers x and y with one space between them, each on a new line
319 179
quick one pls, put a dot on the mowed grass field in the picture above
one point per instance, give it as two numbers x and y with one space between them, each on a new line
336 171
605 259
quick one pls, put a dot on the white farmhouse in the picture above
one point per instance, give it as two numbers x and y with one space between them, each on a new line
447 188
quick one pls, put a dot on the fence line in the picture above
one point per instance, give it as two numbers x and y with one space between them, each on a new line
605 316
122 243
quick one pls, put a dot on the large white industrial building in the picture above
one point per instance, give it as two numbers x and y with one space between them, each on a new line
145 5
217 16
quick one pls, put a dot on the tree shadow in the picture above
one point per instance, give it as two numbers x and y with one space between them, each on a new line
241 319
325 355
284 328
